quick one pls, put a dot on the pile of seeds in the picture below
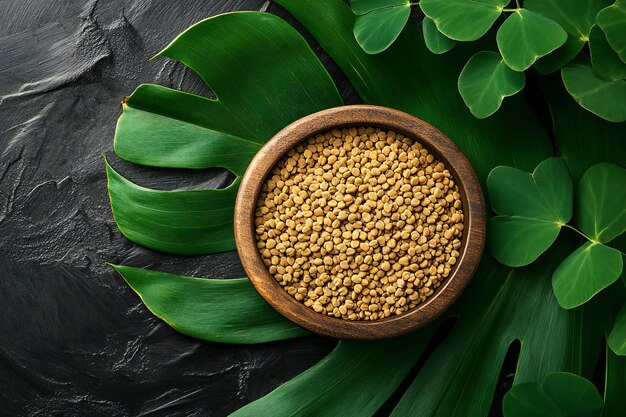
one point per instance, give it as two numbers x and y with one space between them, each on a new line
360 223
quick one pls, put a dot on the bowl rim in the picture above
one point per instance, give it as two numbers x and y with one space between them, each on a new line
438 144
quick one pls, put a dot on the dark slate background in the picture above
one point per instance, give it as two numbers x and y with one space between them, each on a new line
74 339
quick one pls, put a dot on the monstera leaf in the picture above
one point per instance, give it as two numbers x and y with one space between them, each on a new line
217 310
164 127
264 76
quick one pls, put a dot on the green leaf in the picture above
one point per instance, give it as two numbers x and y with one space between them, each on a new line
573 394
526 36
352 380
607 99
617 338
561 394
463 20
529 400
586 272
560 57
361 7
183 222
244 87
164 127
435 41
615 385
612 20
183 135
601 202
531 210
583 138
485 81
378 29
217 310
604 60
575 16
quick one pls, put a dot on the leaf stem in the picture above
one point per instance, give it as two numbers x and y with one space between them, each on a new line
579 232
510 10
517 3
587 237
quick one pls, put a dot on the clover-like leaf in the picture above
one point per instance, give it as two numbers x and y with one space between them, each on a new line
575 16
604 60
485 81
586 272
435 41
560 394
531 210
526 36
573 126
217 310
560 57
612 20
601 202
463 20
617 338
379 23
606 99
601 215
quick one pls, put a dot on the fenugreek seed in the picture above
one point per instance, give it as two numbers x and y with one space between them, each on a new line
359 223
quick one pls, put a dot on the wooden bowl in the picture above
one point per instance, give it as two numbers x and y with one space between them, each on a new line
353 116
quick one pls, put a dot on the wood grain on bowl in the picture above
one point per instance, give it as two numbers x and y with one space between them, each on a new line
353 116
